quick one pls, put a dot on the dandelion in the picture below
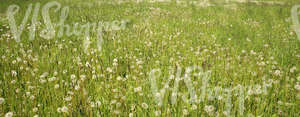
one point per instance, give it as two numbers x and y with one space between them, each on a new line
209 108
130 114
293 69
132 107
9 114
98 103
119 78
73 77
194 107
157 113
138 89
58 110
45 74
2 100
56 86
77 87
52 79
113 102
13 73
109 70
144 105
64 109
277 72
68 98
117 112
35 109
297 87
185 112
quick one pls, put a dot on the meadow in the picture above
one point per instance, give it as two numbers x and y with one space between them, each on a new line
246 55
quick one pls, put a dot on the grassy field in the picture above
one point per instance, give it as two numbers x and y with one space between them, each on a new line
249 51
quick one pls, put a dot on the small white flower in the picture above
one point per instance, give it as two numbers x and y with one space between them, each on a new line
297 87
45 74
9 114
58 110
117 112
64 109
35 109
130 114
138 89
185 112
56 86
194 107
119 78
293 69
68 98
144 105
157 113
2 100
14 73
277 72
209 108
298 78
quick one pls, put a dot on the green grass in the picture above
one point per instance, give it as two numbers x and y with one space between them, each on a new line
230 40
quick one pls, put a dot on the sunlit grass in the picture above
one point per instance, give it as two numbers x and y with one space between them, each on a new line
241 45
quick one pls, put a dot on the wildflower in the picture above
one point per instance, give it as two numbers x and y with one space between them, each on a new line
13 73
1 100
9 114
55 73
82 77
138 89
68 98
144 105
194 107
64 109
109 70
132 107
157 113
56 86
35 109
73 77
130 114
293 69
113 102
257 89
32 97
277 72
209 108
42 81
13 81
297 87
77 87
117 112
58 110
119 78
52 79
45 74
98 103
185 112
